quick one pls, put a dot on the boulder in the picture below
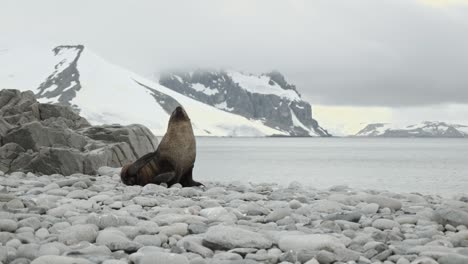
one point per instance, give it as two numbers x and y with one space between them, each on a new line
138 137
49 138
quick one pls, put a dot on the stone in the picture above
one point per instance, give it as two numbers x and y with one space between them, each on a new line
350 217
277 214
145 201
32 222
116 240
191 246
15 204
108 171
197 228
50 259
384 202
229 237
424 260
148 240
175 229
312 261
158 258
218 214
295 204
105 220
8 225
28 251
77 233
453 259
314 242
77 194
383 224
48 249
451 216
42 233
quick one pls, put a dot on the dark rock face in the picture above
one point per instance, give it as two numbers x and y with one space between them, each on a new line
224 93
49 139
65 78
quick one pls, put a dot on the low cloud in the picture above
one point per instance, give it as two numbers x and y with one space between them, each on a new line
393 53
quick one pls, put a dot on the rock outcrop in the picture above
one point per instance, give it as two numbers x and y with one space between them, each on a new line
268 98
47 138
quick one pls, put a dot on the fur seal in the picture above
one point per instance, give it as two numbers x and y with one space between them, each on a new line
172 162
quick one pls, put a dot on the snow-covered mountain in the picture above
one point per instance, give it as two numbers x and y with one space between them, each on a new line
424 129
106 93
268 98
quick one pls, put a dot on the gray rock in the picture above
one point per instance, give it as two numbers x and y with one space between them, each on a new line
219 214
48 249
351 217
116 240
28 251
175 229
3 254
158 258
383 224
424 260
8 225
148 240
384 202
314 242
15 204
191 246
77 233
32 222
77 194
277 214
451 216
371 208
50 139
91 252
197 228
229 237
50 259
453 259
138 137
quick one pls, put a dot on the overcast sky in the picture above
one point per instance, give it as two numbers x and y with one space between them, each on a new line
386 53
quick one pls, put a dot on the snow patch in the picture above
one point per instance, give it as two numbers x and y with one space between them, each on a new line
261 85
203 89
223 106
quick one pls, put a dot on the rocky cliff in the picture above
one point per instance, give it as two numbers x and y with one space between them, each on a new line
268 98
46 138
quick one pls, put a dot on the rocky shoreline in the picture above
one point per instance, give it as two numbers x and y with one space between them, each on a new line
96 219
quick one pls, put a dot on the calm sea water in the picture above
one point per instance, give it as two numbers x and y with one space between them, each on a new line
427 166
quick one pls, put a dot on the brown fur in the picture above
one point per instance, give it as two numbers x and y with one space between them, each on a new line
172 162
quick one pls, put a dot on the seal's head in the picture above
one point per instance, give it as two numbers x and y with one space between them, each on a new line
179 114
126 177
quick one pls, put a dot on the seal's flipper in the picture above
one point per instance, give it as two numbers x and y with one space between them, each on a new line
163 177
187 179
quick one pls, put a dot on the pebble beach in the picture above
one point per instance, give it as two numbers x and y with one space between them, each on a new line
85 219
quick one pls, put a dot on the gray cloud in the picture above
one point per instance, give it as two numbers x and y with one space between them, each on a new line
381 53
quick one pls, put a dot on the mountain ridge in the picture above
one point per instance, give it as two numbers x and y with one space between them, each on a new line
105 93
423 129
268 97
